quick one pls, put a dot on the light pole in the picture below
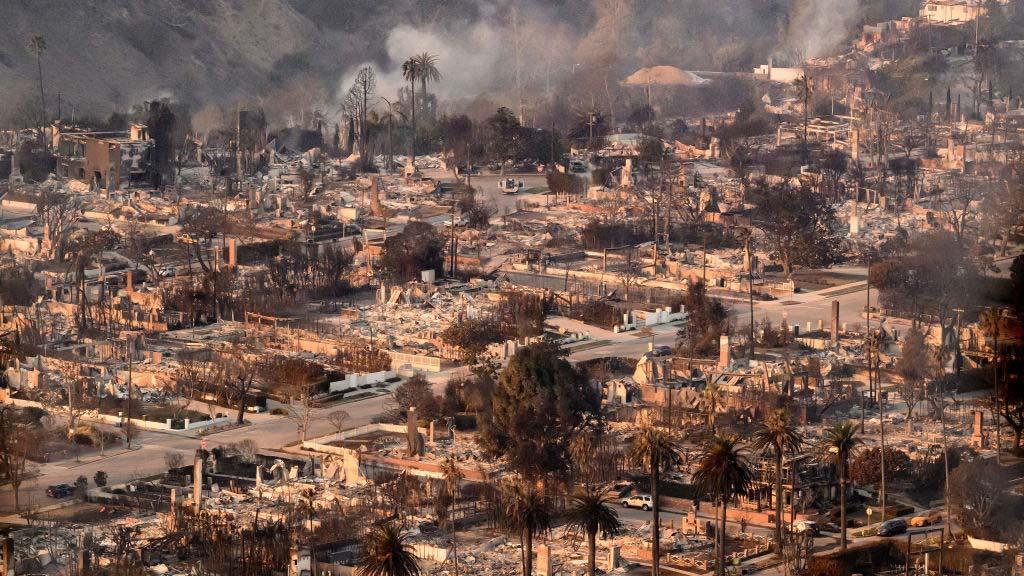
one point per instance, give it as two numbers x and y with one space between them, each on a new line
883 396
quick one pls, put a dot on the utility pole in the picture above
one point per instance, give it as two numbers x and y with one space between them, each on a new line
452 248
128 423
881 429
654 255
977 24
238 145
867 336
592 118
862 406
704 264
519 86
750 290
551 163
945 450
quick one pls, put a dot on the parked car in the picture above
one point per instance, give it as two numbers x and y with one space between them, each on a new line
926 519
641 501
806 527
577 167
892 527
60 491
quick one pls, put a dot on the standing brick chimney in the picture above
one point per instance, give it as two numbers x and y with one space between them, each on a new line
723 351
197 482
835 322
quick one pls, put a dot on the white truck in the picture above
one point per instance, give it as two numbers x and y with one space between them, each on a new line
641 501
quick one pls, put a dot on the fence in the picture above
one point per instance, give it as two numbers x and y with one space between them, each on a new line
353 381
400 360
166 425
430 552
646 295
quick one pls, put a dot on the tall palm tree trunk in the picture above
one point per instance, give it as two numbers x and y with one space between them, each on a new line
412 148
720 555
528 553
591 553
995 391
806 119
656 528
778 502
842 505
455 543
42 98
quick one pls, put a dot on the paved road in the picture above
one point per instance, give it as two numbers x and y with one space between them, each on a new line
486 185
147 456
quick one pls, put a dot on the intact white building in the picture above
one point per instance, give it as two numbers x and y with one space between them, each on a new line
951 11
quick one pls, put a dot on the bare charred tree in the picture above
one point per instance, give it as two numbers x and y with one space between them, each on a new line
338 419
631 274
238 379
295 378
136 248
363 88
85 249
18 439
198 228
798 225
958 200
57 212
1002 208
193 375
833 167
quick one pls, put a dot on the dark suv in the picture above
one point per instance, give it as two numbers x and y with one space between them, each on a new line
60 490
892 527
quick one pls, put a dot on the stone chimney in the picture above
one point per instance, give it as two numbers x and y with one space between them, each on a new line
232 252
197 482
544 560
835 322
82 558
613 559
411 433
129 281
723 351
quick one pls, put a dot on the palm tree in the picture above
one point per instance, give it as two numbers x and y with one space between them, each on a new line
587 454
804 91
427 64
722 472
452 476
779 436
386 553
37 45
712 398
591 512
527 513
838 445
411 72
656 451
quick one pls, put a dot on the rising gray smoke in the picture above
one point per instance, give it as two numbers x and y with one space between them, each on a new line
818 27
107 55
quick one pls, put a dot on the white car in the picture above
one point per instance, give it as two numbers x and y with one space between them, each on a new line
641 501
806 527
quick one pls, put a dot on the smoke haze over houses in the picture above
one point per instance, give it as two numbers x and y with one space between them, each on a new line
115 53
